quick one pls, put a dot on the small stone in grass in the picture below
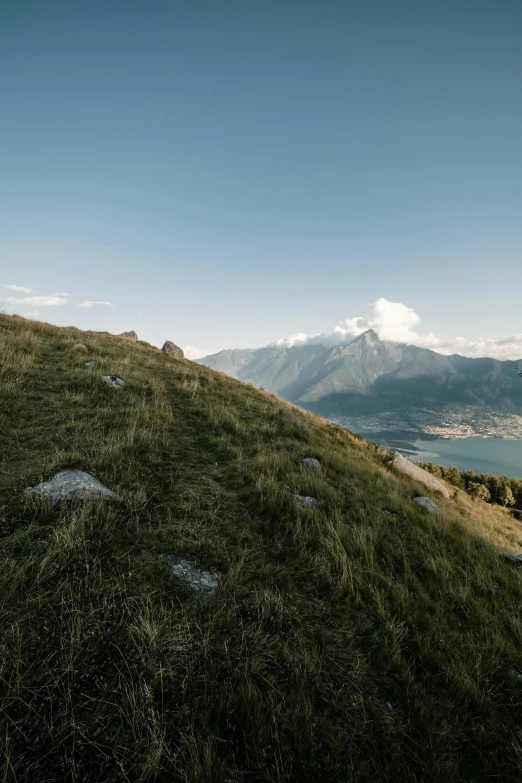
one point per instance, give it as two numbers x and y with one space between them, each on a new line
310 463
192 578
428 505
91 364
113 382
80 347
71 484
307 502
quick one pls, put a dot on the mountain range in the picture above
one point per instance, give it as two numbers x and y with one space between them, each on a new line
370 375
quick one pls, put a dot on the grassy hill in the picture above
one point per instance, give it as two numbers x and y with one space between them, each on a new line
361 641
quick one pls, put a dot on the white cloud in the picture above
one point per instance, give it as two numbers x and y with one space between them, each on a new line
22 289
39 301
96 304
191 352
397 322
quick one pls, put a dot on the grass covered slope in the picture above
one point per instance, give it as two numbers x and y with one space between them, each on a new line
364 641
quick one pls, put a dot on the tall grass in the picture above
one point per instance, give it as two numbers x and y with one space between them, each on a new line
360 641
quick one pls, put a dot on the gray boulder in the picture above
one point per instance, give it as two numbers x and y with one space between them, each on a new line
404 465
113 382
307 502
513 557
194 580
130 336
91 364
428 505
310 463
172 350
80 347
72 484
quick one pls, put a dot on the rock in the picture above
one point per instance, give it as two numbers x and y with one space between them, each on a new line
514 557
131 336
80 347
193 579
310 463
72 484
307 502
428 505
173 350
516 676
91 364
113 382
404 465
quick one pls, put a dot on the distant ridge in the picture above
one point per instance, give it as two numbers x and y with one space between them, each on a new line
373 374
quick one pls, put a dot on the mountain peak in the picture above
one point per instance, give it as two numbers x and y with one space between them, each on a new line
369 336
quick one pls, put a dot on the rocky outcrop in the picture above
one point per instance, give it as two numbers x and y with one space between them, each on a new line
172 350
194 580
131 336
307 502
428 505
113 382
404 465
72 484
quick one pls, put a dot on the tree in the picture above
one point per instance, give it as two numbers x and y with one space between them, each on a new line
479 491
505 496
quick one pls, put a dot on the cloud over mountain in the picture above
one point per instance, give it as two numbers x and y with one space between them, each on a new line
397 322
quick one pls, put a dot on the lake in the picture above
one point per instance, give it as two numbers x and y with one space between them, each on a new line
482 455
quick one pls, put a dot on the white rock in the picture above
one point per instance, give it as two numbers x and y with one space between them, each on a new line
69 484
310 463
307 502
428 505
91 364
113 382
404 465
192 578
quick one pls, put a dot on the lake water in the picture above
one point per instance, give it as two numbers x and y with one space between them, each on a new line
483 455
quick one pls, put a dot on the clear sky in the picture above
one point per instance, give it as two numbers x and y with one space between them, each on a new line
230 172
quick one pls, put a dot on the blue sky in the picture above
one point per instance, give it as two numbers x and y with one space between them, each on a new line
229 173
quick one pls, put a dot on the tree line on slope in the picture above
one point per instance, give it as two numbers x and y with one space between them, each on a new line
501 490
